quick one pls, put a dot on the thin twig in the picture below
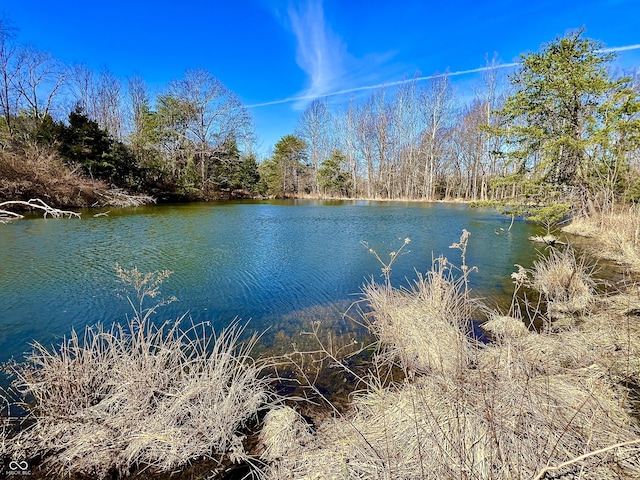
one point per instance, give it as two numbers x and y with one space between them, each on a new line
545 470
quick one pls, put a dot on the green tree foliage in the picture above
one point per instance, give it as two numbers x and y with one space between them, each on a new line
144 143
224 164
82 142
286 173
548 215
26 130
247 176
270 177
332 178
567 114
191 141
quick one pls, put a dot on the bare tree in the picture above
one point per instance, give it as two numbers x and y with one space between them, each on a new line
81 85
436 105
99 97
218 115
8 71
106 108
345 136
493 102
138 101
313 128
407 128
380 111
38 81
468 150
365 118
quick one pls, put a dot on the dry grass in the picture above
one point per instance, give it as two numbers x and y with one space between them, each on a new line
564 280
140 396
424 328
529 405
283 431
618 234
504 327
496 421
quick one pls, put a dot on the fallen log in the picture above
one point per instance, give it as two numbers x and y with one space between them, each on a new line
550 240
49 211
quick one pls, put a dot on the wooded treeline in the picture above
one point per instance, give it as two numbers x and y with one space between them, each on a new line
564 127
191 140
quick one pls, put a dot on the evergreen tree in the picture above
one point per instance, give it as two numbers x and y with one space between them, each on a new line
225 164
287 172
247 176
84 143
566 113
332 178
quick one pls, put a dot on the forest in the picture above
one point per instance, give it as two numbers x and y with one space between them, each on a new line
563 129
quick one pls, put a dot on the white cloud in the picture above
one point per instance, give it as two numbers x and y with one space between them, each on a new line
320 52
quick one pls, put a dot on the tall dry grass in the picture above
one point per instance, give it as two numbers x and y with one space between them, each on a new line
564 280
138 397
528 405
617 234
423 326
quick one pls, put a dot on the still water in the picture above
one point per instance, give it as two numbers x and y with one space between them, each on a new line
277 263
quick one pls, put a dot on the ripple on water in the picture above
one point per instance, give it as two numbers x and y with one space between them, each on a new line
265 261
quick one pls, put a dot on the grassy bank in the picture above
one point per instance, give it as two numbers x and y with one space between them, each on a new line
616 234
546 403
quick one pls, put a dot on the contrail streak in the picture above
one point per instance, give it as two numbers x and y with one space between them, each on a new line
415 79
619 49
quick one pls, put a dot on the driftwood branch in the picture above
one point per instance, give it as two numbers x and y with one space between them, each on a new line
7 215
119 198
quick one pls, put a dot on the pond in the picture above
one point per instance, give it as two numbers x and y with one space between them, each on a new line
275 263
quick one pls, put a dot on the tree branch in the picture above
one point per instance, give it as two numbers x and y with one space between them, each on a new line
583 457
6 215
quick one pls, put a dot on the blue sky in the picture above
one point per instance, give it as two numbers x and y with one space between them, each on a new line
268 51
